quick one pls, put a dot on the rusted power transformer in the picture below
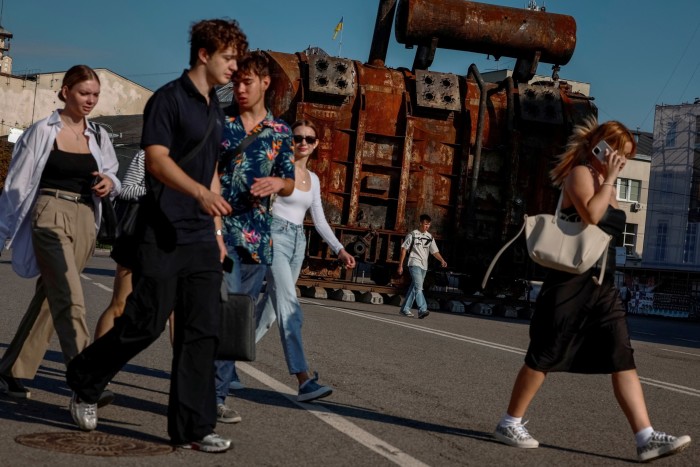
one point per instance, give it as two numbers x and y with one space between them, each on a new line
396 143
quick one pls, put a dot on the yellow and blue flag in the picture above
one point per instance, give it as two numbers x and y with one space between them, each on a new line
338 28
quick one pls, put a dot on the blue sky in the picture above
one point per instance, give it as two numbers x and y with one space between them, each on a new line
635 53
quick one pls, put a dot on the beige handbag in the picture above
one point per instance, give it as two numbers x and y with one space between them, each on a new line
555 243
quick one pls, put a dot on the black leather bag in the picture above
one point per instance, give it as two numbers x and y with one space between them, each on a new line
237 328
108 224
127 212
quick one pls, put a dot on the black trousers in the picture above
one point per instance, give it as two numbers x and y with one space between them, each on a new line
188 281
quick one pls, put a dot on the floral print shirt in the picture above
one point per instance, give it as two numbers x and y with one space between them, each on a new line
270 154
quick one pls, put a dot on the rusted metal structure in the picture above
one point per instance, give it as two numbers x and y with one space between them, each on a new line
396 143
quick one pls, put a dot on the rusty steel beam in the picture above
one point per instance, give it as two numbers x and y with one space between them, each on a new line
489 29
382 32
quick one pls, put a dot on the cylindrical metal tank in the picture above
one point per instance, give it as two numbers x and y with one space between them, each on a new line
489 29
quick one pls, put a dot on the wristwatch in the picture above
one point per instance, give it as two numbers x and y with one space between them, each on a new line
219 232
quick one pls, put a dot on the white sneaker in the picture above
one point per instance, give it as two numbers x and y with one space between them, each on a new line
84 414
226 414
515 435
660 445
210 443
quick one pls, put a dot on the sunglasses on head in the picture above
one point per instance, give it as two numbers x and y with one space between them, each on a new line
309 139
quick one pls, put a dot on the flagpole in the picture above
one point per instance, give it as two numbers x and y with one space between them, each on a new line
340 44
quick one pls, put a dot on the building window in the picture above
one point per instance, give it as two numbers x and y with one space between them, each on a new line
629 240
697 132
661 231
671 131
628 190
691 238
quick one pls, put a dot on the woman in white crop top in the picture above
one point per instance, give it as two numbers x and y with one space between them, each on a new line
289 244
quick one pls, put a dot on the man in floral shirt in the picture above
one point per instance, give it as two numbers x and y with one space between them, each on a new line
251 170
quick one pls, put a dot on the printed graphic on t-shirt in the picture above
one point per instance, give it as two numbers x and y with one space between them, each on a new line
421 246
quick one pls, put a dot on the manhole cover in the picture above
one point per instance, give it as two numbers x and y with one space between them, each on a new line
93 444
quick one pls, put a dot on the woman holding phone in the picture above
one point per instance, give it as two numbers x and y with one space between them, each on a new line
50 211
579 326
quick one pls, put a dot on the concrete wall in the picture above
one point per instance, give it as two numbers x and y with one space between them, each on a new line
24 100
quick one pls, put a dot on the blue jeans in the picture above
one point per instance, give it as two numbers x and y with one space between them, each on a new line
280 299
247 279
415 292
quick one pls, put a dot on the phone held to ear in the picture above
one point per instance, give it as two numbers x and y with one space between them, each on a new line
599 150
228 264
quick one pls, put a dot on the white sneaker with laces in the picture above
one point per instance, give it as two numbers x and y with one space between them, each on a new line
660 444
515 435
226 414
84 414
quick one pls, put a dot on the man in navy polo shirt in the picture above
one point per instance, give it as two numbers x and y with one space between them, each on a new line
179 258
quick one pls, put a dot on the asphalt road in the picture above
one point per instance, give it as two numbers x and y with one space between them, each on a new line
408 392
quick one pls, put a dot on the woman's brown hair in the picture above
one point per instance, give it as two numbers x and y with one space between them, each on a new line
581 142
77 74
304 122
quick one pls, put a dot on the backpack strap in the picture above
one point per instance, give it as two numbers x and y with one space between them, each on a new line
98 132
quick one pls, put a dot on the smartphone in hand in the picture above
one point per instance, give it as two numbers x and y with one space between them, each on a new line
599 150
228 264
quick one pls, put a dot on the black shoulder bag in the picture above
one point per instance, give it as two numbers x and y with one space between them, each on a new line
127 223
108 222
237 326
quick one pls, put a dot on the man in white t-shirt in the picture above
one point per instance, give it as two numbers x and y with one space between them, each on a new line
419 243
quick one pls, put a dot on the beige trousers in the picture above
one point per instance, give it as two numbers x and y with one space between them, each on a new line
63 236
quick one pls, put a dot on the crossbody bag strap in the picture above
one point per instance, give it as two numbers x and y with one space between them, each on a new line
500 252
229 155
190 155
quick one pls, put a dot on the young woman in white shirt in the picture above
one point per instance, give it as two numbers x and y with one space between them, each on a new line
50 211
289 245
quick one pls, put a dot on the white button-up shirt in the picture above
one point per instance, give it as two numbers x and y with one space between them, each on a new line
22 184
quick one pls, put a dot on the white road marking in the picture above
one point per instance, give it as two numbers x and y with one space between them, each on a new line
684 353
338 422
367 439
494 345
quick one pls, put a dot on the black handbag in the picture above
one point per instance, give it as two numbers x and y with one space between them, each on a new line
127 212
237 328
108 224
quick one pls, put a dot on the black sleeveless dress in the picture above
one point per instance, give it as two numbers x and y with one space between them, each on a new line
578 326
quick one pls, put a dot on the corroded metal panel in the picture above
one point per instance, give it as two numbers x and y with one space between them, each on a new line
540 103
437 90
331 75
286 81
